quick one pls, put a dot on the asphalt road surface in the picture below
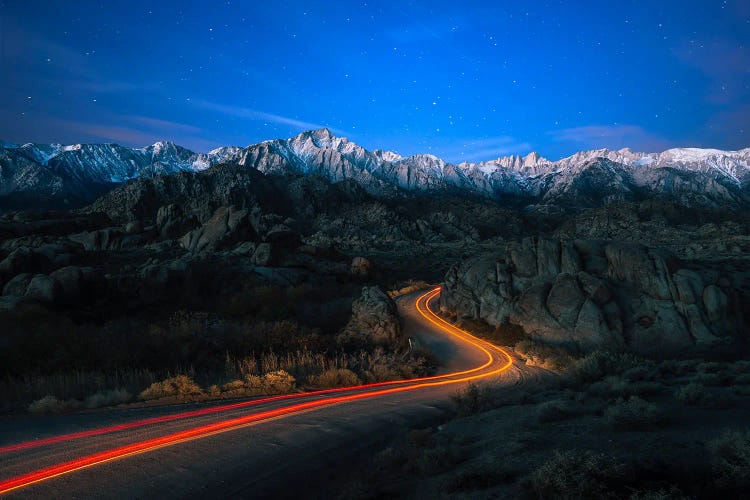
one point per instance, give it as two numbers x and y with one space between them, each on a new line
290 446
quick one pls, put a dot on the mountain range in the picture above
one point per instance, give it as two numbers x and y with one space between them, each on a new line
43 175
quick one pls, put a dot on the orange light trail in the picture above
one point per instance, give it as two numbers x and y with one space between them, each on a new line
296 408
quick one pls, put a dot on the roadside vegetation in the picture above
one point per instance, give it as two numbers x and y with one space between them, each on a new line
254 340
601 425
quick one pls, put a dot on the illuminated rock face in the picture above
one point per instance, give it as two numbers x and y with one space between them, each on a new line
374 319
589 294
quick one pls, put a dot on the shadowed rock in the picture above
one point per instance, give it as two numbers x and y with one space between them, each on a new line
609 294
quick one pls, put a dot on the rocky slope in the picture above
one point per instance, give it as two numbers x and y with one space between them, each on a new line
587 294
694 177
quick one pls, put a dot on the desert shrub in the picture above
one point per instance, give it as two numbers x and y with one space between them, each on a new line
180 386
553 411
599 364
644 372
434 459
214 391
254 384
482 474
469 401
710 379
278 382
576 475
692 394
470 480
390 458
107 398
672 494
633 414
542 355
730 459
710 367
234 389
335 377
677 367
740 367
614 386
50 404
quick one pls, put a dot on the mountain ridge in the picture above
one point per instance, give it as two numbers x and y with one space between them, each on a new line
706 176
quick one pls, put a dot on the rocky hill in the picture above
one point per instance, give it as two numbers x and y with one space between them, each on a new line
598 294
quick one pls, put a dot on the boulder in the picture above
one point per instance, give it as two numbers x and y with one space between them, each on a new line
227 226
374 318
71 280
45 289
282 235
18 284
565 299
263 255
24 260
133 227
360 267
171 221
104 239
548 257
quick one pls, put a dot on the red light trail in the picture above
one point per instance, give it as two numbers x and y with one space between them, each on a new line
360 392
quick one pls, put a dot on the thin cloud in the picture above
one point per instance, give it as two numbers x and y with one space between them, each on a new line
77 131
161 125
254 114
612 137
484 149
108 133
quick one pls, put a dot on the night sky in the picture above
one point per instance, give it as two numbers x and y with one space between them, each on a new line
462 80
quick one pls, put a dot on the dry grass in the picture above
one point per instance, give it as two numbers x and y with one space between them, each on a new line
107 398
180 386
730 460
336 377
542 355
17 392
409 287
50 404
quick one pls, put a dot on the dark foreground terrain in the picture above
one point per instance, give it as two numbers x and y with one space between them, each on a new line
234 284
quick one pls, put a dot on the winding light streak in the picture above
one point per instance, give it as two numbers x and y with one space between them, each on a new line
422 305
244 404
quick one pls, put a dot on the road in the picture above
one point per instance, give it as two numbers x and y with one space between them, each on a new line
284 446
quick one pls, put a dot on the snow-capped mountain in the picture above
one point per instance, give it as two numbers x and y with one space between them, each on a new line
706 176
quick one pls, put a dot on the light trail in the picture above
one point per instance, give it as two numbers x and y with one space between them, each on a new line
238 422
244 404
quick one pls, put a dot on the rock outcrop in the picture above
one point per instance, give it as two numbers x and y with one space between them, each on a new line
589 294
374 319
228 225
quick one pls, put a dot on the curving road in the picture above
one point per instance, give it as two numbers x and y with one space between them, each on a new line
280 446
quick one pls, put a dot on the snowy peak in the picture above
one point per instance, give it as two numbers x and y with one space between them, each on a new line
387 155
586 177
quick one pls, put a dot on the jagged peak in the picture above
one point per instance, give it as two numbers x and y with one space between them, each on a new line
425 156
533 158
222 149
387 155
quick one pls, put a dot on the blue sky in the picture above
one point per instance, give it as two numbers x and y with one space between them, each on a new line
463 80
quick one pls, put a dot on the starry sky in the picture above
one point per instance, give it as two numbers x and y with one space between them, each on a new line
465 80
